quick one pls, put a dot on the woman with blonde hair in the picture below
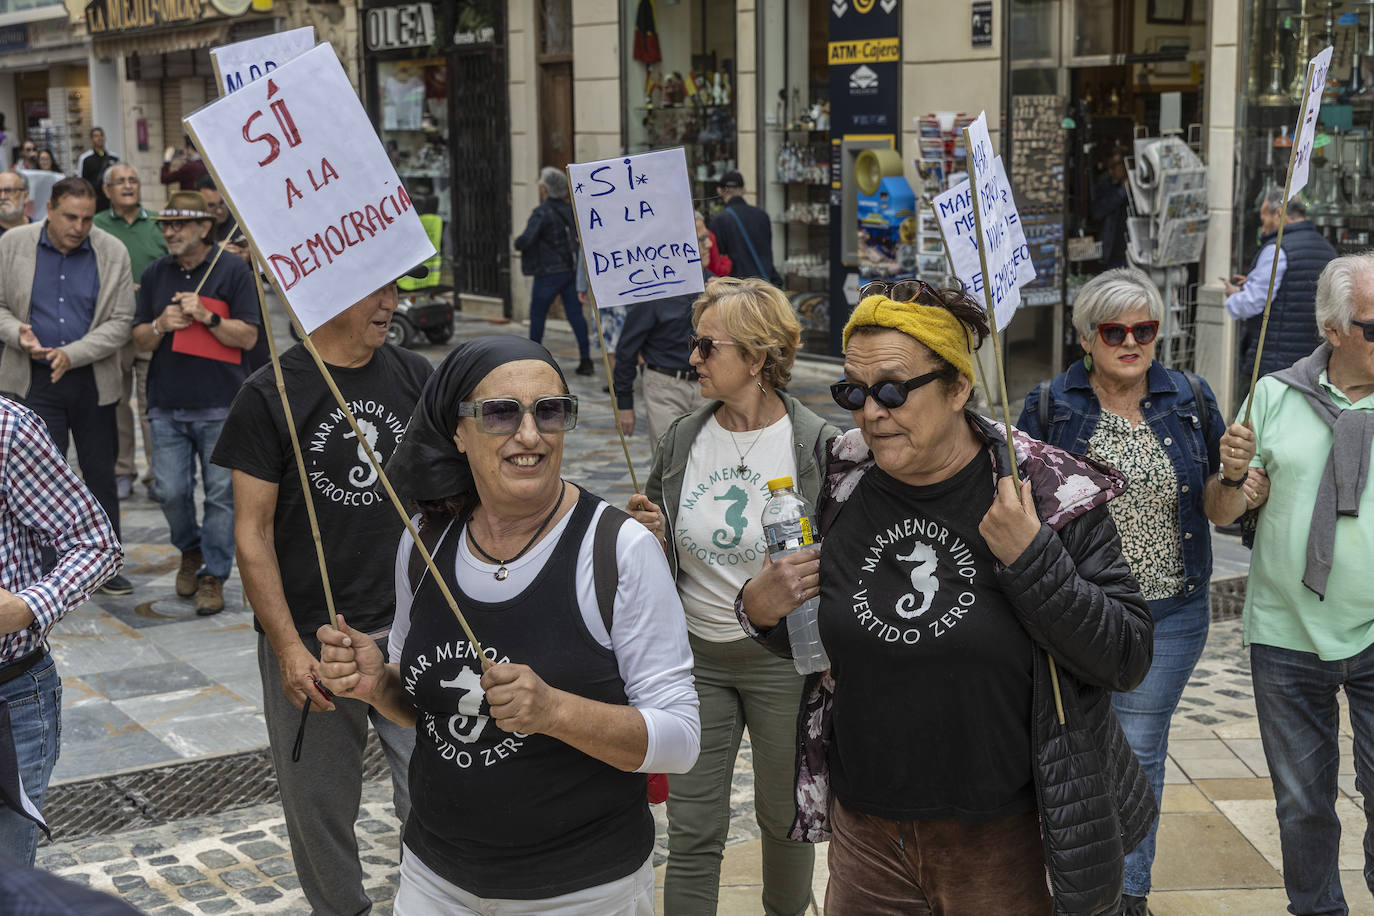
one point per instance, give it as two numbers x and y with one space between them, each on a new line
704 500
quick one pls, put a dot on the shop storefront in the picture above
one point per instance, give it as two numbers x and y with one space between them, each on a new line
434 83
45 87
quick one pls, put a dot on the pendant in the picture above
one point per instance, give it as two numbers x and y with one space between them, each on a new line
501 574
742 469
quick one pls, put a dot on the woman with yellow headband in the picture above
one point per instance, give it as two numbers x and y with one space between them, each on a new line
962 743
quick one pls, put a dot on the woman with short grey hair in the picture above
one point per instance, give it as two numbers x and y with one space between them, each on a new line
1161 428
549 253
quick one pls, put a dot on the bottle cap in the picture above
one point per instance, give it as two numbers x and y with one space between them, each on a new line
779 483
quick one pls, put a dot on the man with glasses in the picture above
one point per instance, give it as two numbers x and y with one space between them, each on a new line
93 164
281 575
1305 252
1309 620
66 302
127 221
14 194
197 321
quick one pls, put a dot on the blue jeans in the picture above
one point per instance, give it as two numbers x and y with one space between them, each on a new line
176 446
1145 712
35 706
548 288
1295 696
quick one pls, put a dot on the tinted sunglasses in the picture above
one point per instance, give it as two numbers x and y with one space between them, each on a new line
890 394
503 416
900 291
705 345
1114 335
1367 327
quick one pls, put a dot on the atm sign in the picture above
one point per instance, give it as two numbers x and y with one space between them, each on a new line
865 51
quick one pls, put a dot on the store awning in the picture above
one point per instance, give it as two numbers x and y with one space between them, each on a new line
162 41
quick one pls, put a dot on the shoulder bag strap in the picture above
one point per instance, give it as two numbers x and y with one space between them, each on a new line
748 243
1042 409
1204 414
431 534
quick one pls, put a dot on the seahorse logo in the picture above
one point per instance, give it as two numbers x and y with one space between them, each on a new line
467 726
922 580
734 517
366 475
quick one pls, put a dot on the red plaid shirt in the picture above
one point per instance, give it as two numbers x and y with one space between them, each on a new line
43 502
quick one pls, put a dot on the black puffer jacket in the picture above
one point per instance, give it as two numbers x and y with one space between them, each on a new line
549 243
1075 595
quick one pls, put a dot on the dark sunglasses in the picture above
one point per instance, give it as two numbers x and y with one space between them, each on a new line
1114 335
890 394
503 416
705 345
1366 327
899 291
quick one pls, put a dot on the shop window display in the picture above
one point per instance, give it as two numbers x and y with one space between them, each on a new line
413 98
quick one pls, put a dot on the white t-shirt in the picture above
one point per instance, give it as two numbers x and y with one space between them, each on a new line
718 534
647 636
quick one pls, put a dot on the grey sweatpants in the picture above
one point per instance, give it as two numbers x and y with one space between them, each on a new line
322 791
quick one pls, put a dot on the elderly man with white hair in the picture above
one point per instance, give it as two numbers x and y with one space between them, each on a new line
549 253
1309 620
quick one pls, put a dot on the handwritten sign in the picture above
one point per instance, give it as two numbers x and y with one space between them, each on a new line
954 211
1000 291
245 61
1306 133
639 234
310 184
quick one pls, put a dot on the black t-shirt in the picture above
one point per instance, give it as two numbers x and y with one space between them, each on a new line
180 380
358 524
932 670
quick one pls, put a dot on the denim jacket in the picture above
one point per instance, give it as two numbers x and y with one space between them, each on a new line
1177 421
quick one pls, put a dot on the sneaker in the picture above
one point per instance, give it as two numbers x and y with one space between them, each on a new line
117 585
191 561
1132 905
209 596
586 367
124 486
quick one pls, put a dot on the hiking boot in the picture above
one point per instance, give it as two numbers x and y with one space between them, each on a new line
209 596
191 561
117 585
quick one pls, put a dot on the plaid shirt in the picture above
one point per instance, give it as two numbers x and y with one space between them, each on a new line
43 502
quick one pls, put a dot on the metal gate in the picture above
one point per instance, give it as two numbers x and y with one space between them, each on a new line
480 139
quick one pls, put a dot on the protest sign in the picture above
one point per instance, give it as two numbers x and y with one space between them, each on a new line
999 260
245 61
1306 133
311 186
639 235
954 212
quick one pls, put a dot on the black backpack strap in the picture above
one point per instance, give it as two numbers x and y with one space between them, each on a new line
605 569
1204 415
430 534
1042 408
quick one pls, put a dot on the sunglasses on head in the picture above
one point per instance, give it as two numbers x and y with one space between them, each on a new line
899 291
705 345
503 416
890 394
1366 327
1114 335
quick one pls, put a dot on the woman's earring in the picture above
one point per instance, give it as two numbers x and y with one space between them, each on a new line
1088 362
763 391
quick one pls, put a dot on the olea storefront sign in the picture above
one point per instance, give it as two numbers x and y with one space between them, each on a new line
410 25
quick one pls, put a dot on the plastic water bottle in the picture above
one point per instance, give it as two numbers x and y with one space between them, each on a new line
788 527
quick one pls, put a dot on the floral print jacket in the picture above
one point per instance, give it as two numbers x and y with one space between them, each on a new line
1099 645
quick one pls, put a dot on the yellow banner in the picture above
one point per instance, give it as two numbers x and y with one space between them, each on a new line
865 51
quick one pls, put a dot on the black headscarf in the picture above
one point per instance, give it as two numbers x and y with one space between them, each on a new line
427 464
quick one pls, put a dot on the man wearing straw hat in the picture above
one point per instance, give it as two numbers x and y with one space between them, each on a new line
357 533
197 314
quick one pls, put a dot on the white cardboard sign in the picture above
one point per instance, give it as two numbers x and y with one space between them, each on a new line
639 234
242 62
954 212
996 242
298 162
1306 133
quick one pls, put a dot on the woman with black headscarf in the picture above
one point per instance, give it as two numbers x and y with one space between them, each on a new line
527 780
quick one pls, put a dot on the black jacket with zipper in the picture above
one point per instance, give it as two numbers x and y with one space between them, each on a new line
549 243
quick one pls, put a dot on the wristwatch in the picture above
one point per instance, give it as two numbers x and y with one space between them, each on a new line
214 320
1233 484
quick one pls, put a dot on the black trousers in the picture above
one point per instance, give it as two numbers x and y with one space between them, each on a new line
71 410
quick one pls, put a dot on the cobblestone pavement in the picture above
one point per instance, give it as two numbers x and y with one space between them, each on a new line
147 683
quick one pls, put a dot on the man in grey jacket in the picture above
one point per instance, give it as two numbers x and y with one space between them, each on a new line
66 308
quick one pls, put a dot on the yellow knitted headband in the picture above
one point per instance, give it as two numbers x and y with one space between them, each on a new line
931 325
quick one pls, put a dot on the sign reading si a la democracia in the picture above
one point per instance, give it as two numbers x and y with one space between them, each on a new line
305 174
